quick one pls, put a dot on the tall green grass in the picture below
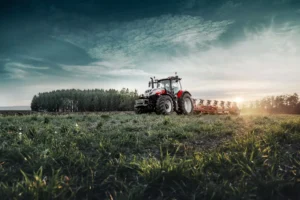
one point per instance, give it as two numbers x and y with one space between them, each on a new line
126 156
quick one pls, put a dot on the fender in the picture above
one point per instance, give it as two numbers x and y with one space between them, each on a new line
181 93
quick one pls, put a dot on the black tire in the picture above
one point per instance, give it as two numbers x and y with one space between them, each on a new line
181 105
164 105
140 110
137 111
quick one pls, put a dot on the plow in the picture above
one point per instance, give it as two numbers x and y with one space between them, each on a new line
166 96
218 107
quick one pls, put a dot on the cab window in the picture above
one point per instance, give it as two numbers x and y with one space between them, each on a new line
175 86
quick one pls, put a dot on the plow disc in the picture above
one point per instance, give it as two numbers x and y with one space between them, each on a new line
217 107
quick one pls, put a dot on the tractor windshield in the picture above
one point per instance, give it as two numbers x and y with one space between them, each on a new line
165 84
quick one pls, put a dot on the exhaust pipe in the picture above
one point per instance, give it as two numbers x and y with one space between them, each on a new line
152 84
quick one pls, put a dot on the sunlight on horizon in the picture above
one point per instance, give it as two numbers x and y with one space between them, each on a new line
239 100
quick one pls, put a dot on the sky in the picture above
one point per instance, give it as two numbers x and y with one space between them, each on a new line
221 49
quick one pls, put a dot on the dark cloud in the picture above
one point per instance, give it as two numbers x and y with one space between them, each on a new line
33 43
109 9
2 71
79 43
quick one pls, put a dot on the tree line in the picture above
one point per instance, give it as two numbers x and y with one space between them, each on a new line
75 100
282 104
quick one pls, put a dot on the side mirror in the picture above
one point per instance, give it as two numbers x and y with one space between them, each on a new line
149 84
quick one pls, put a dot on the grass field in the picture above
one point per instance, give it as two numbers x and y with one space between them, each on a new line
128 156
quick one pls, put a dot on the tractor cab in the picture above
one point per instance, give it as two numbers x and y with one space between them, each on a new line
171 84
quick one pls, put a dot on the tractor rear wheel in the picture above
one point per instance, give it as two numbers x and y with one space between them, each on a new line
164 105
185 105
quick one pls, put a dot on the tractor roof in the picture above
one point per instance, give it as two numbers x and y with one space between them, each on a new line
170 78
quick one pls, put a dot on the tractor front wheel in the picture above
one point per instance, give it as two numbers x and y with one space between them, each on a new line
164 105
140 110
185 104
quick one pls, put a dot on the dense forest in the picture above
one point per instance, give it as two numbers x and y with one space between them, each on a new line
84 100
282 104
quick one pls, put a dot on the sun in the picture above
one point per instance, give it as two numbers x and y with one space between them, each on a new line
239 99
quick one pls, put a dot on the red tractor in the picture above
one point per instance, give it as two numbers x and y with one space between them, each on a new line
165 96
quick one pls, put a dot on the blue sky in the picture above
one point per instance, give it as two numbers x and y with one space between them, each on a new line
221 49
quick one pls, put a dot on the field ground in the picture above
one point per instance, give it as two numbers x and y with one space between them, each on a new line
128 156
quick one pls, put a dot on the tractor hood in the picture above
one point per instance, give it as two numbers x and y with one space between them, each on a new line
153 91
